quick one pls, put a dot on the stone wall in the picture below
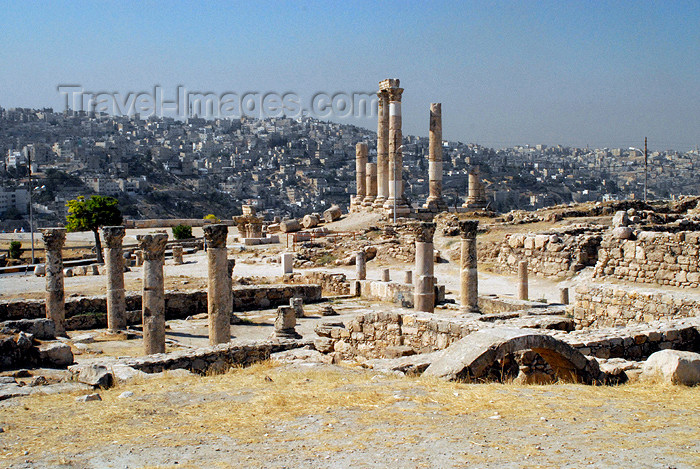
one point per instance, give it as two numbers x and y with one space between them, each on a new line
91 312
611 306
556 254
331 284
384 334
213 359
656 258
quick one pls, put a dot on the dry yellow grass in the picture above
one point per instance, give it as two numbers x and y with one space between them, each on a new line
243 404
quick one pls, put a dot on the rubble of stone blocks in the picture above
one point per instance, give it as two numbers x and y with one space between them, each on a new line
335 284
559 253
28 343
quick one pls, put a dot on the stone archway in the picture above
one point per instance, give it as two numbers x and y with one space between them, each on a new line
470 358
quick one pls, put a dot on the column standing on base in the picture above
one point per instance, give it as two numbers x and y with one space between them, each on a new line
54 238
153 301
469 281
113 237
424 290
218 291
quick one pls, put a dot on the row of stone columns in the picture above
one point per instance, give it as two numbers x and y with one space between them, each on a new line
152 249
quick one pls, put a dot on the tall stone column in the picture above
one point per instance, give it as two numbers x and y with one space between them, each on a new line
114 264
360 175
424 290
522 280
435 202
469 283
54 239
395 150
153 300
382 149
218 291
370 185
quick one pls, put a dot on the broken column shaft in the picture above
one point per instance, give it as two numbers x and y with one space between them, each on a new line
522 280
360 265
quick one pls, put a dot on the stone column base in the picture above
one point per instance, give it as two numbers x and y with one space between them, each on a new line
436 204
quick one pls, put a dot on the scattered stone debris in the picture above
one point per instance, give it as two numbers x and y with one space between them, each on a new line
89 398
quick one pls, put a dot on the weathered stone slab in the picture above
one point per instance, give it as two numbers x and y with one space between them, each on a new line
673 366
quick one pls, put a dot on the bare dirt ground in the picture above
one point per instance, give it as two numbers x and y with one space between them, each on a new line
330 416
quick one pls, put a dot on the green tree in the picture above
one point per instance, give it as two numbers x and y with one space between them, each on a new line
15 251
182 231
90 214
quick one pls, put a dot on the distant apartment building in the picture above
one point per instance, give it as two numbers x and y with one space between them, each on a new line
17 199
102 186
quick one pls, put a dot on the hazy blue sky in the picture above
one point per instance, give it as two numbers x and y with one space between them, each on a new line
576 73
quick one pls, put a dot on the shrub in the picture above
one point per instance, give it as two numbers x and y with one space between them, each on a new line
182 232
15 250
212 217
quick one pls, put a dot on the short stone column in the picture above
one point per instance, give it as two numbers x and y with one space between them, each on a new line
408 277
370 185
522 280
177 254
564 295
360 265
298 304
153 301
435 202
382 149
476 198
285 323
54 239
424 291
218 290
287 261
469 281
139 257
113 237
360 175
385 275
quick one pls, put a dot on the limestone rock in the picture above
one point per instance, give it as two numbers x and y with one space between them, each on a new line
55 355
89 397
42 329
289 226
622 232
96 375
332 214
123 373
674 366
620 219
